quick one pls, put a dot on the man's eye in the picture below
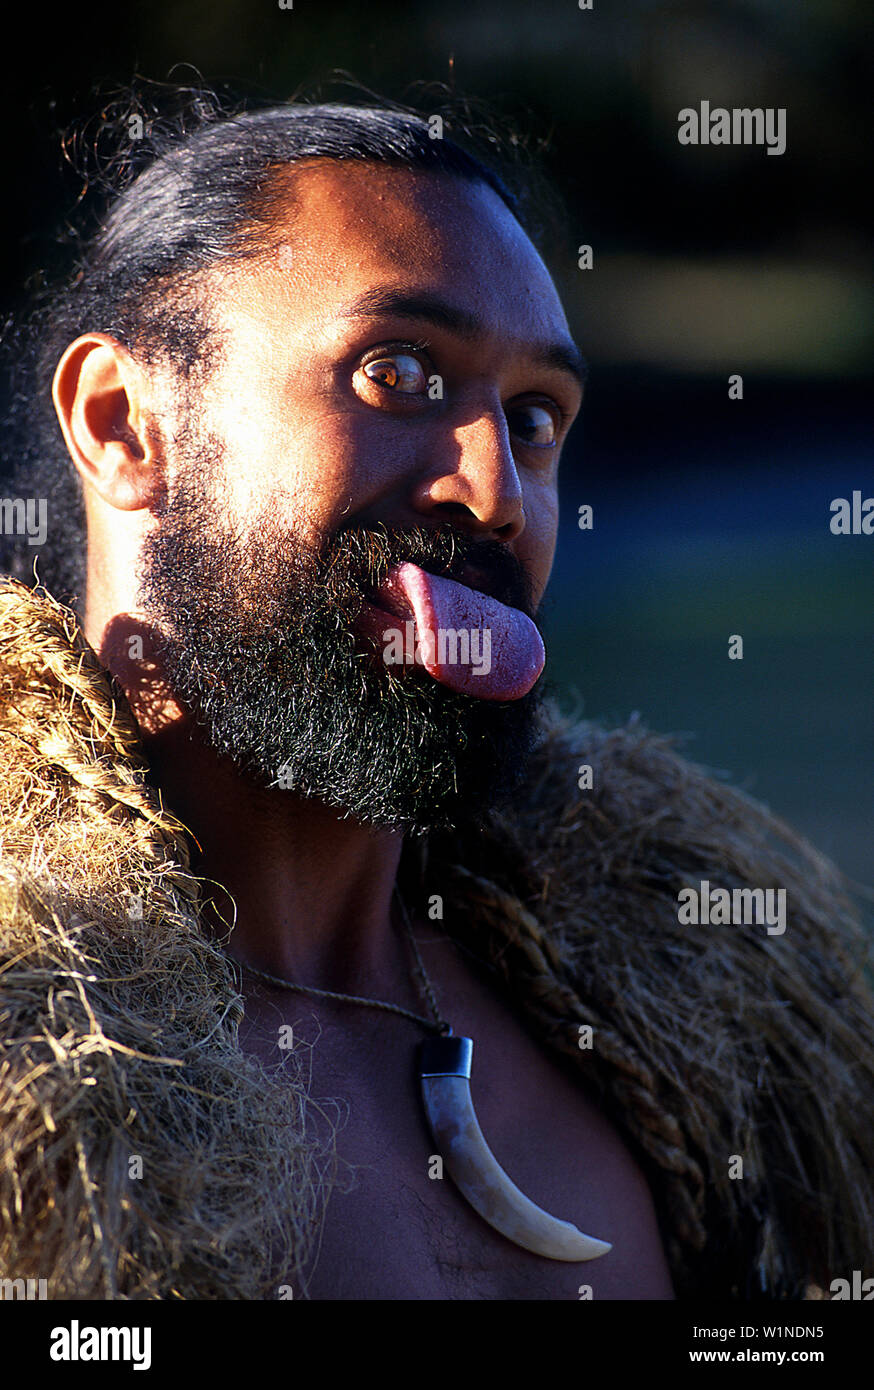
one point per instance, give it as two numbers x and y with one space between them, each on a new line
400 372
533 424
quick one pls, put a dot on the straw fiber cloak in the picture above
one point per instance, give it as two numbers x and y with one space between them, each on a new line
142 1155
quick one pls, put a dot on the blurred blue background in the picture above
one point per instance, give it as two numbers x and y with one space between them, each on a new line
711 516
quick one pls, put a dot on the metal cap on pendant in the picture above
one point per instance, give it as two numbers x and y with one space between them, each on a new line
446 1057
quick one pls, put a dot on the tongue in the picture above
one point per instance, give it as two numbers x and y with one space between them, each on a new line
467 640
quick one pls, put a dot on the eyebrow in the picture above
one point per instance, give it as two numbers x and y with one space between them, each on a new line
425 307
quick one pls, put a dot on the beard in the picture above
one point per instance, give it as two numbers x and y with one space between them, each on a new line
258 642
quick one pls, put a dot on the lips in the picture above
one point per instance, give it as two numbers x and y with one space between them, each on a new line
467 640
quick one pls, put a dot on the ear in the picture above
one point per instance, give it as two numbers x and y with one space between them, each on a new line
99 392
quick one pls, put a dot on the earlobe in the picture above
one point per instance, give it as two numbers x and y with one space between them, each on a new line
99 391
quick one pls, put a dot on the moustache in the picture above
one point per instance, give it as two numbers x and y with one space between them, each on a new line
358 558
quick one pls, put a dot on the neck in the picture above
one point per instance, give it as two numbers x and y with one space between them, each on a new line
313 891
307 891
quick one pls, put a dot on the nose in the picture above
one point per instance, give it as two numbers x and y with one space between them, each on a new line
477 483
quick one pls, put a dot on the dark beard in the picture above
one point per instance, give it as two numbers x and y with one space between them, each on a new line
258 643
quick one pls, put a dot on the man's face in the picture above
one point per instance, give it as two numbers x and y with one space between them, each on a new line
396 384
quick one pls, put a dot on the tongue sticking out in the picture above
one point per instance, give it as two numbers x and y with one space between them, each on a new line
467 640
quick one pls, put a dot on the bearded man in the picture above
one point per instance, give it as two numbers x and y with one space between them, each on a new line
288 803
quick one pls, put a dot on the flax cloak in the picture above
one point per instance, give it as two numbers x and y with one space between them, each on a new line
119 1018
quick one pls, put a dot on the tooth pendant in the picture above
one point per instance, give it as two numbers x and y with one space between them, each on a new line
444 1072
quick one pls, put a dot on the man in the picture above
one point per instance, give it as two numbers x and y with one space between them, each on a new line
315 381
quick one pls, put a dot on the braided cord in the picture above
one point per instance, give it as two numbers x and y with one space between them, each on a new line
437 1025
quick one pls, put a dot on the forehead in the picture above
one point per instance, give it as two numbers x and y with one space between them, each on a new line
345 227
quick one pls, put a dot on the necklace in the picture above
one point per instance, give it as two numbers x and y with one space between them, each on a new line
444 1069
439 1024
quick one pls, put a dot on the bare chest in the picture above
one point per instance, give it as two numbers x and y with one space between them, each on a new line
395 1225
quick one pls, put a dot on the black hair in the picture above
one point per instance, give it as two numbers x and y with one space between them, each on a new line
177 196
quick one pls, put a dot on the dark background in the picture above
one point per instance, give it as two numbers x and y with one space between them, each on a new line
711 516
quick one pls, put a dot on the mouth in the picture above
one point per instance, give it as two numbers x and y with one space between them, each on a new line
384 603
457 624
385 598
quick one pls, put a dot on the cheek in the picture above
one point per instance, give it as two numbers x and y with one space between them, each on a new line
536 545
308 463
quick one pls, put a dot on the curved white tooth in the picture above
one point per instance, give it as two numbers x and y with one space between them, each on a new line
481 1179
